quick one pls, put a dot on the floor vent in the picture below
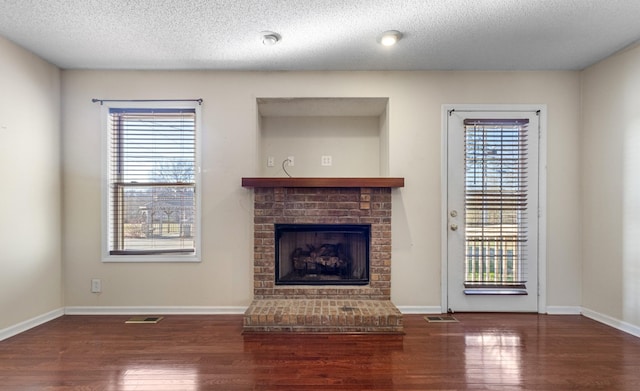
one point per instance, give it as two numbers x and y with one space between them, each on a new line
441 319
144 319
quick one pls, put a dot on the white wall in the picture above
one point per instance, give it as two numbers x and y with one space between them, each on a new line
230 142
30 227
610 168
352 142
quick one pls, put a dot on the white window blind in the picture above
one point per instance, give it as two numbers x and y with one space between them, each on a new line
496 204
152 181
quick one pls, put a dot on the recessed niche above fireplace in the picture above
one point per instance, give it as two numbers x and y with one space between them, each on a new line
322 254
352 133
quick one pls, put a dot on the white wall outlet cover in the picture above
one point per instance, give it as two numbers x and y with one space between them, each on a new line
96 285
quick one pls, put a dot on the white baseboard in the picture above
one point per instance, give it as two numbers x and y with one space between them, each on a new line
30 323
551 310
417 310
160 310
613 322
563 310
126 310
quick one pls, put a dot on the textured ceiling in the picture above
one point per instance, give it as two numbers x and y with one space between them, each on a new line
322 34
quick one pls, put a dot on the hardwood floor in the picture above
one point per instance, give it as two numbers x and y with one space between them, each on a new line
481 352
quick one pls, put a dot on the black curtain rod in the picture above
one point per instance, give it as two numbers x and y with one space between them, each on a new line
94 100
451 111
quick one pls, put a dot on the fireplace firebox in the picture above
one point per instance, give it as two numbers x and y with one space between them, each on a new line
322 254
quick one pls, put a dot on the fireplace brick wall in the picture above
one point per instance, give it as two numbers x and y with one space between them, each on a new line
319 205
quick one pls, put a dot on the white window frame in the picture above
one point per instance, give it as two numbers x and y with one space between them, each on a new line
106 256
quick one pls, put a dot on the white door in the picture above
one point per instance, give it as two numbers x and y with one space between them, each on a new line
492 210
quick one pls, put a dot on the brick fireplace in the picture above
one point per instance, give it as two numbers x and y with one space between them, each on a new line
328 202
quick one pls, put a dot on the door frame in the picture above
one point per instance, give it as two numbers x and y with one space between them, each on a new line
542 194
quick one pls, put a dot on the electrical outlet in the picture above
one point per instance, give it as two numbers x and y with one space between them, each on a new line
326 160
291 160
270 161
96 285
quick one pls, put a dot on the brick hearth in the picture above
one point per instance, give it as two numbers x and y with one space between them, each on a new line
366 308
323 316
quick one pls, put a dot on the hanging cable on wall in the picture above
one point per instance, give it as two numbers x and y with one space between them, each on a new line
285 162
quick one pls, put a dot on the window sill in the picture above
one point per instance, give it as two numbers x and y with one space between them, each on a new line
151 259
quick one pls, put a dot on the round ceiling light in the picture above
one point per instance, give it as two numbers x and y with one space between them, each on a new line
390 38
269 38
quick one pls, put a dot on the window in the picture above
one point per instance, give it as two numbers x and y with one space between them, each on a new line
496 202
151 191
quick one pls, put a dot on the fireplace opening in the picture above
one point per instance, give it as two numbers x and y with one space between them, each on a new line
322 254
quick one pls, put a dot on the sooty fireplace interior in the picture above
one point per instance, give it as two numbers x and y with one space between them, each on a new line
322 254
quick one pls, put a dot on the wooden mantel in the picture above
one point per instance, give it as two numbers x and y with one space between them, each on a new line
322 182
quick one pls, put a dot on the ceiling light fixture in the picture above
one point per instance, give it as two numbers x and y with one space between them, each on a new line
390 38
269 38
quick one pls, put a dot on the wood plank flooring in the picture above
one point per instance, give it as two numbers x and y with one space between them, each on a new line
481 352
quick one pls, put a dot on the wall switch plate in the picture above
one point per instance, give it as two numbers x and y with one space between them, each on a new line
270 161
326 160
96 285
291 160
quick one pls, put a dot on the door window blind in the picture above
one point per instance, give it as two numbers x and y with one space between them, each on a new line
495 205
152 197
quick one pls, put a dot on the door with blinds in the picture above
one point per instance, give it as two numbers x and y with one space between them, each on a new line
492 210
